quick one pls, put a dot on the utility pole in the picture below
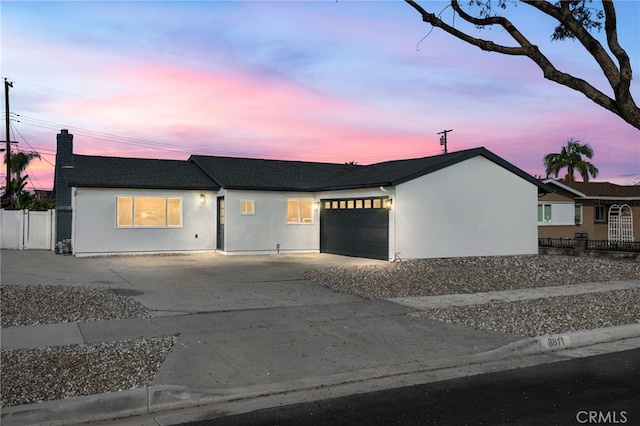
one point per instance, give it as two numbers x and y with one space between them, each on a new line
443 139
7 191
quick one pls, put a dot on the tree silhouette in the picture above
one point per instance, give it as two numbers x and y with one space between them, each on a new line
570 157
574 19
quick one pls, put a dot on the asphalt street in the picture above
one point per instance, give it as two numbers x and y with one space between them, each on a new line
603 389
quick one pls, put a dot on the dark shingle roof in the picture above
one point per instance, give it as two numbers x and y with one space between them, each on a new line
252 173
604 189
118 172
391 173
207 172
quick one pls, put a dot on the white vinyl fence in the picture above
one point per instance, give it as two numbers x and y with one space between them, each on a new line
27 230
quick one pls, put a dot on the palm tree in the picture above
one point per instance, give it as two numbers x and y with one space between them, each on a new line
570 157
21 160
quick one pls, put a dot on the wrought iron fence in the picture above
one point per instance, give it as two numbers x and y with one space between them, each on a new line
613 246
556 242
602 245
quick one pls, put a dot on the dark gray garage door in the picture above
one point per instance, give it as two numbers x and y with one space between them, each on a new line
355 227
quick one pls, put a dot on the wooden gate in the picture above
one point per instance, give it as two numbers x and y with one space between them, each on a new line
621 223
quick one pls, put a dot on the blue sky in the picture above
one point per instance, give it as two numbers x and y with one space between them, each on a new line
305 80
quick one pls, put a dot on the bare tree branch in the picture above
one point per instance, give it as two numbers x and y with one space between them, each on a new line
619 78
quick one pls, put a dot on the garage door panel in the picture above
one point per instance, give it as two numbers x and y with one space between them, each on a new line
361 232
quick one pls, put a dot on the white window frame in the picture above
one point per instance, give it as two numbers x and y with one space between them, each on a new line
300 220
132 212
543 219
603 219
247 207
579 214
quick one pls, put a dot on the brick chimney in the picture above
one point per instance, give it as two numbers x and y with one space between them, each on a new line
62 191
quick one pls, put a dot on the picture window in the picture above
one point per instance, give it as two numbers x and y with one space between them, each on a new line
148 212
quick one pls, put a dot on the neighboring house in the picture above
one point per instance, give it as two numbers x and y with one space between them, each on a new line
597 210
465 203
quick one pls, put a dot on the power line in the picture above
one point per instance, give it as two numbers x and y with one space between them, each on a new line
126 140
55 91
14 128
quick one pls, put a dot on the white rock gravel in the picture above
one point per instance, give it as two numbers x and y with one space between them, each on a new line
535 317
59 372
555 315
49 304
430 277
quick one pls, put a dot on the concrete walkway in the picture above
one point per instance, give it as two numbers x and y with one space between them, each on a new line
433 302
267 337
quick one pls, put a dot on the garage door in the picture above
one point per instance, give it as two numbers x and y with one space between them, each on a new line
355 227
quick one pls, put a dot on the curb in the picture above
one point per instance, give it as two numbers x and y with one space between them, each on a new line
159 398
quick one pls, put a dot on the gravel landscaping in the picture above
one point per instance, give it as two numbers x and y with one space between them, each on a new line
49 304
52 373
536 317
555 315
430 277
59 372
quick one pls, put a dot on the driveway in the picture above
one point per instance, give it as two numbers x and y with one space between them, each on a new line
204 282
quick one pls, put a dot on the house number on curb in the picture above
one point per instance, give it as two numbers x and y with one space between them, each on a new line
555 342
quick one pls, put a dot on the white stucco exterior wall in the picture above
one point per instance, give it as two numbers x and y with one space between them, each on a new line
473 208
94 228
263 231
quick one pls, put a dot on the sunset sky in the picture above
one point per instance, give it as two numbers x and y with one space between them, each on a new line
362 81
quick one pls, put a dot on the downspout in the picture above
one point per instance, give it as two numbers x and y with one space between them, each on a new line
396 255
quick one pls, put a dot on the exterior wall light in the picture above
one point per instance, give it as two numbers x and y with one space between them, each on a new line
388 203
202 198
316 205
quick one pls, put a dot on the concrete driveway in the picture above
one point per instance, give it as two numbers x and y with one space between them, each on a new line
170 284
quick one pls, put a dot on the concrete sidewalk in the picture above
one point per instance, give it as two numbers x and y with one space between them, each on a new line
267 337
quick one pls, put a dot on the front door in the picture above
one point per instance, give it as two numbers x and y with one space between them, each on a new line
220 224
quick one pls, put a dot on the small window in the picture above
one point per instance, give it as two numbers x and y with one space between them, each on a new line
578 214
247 207
334 204
327 205
343 204
358 204
600 214
300 210
544 213
350 204
367 204
377 203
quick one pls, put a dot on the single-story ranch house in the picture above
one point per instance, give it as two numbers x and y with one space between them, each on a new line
595 210
466 203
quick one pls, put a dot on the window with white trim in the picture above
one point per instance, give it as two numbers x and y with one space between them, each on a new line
600 214
578 215
544 213
247 207
300 210
148 212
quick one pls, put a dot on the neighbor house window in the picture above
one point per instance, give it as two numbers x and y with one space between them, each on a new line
544 213
299 210
247 207
578 214
152 212
600 214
